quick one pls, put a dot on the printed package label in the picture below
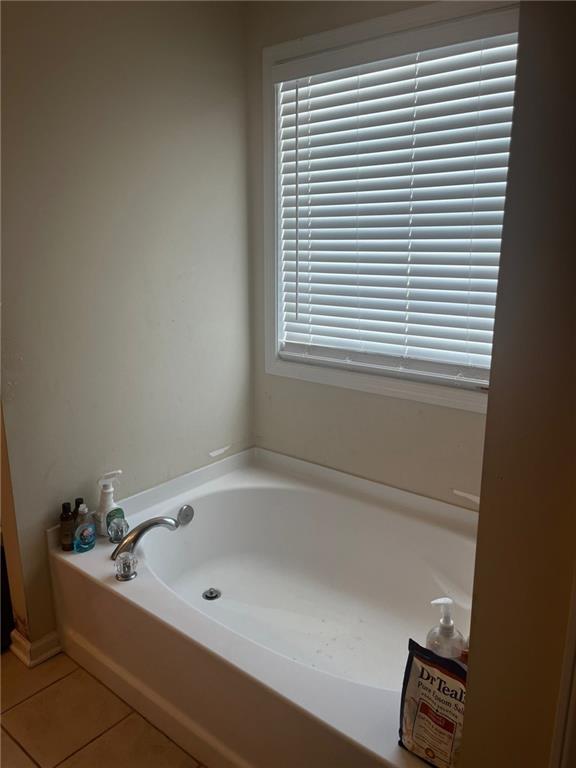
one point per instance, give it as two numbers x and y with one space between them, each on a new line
432 713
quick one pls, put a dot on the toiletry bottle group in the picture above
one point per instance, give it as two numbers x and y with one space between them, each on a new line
79 527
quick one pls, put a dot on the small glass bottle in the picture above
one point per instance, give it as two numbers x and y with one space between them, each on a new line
67 526
77 503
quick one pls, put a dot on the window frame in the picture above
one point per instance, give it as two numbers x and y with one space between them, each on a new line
296 58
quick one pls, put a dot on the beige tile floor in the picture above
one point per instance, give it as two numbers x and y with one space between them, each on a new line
58 715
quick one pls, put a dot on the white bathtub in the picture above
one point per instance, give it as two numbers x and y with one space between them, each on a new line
299 663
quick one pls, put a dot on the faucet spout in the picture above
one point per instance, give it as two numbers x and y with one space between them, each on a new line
130 541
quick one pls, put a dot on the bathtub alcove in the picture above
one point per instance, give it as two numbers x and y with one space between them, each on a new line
323 578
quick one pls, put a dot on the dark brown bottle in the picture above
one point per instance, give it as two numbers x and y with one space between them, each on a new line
67 527
77 503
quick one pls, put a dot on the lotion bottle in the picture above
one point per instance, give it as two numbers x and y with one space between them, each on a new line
444 639
106 503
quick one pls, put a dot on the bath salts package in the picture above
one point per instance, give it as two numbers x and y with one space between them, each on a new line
432 711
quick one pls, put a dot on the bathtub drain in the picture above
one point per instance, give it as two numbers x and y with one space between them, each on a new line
211 594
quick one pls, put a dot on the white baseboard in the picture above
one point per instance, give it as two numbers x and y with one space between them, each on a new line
173 722
34 653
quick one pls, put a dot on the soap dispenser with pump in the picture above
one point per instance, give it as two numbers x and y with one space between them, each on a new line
444 639
107 507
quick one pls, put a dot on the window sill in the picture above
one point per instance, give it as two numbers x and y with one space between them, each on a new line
388 386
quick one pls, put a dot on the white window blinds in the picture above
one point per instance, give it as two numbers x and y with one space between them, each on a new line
391 188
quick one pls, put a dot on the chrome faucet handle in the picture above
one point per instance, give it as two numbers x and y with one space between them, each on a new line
117 529
126 567
129 542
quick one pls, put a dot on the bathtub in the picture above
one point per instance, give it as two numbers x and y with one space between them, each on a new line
299 663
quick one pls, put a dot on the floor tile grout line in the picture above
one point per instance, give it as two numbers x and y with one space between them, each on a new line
135 711
40 690
132 711
93 739
22 747
105 686
198 764
78 668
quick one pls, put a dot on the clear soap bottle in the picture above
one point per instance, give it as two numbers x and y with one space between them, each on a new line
444 639
85 532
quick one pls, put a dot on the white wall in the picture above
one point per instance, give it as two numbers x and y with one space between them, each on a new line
422 448
125 272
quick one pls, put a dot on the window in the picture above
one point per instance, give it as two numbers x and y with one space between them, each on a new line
390 180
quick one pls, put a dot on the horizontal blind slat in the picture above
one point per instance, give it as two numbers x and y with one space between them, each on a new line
414 282
458 207
399 259
386 295
368 220
310 273
425 193
491 245
405 314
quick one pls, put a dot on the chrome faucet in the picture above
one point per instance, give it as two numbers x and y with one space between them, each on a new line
129 542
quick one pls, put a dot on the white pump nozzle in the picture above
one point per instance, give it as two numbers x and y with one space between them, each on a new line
446 620
444 639
107 481
106 503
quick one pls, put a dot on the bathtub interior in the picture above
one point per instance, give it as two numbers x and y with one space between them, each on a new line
333 582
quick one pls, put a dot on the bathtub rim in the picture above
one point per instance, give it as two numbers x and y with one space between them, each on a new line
458 518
